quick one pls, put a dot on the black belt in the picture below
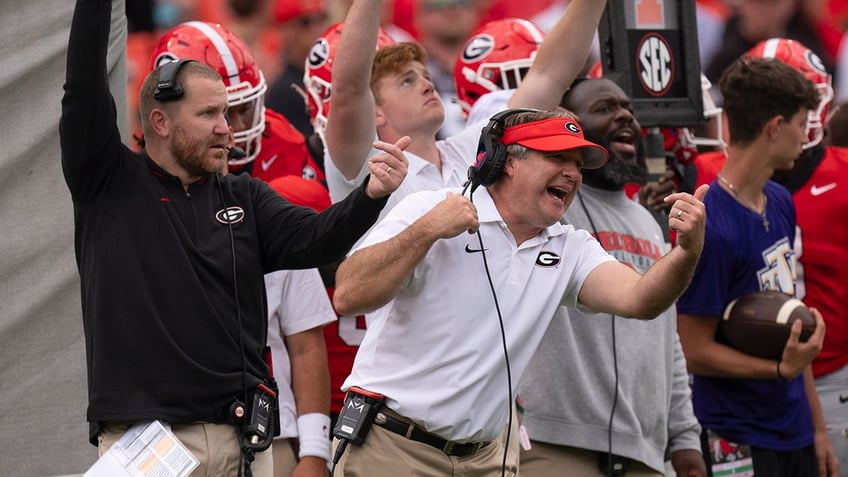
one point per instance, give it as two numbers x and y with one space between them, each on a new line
415 433
619 463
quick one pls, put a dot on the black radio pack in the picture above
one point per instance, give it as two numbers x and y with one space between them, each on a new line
259 421
357 415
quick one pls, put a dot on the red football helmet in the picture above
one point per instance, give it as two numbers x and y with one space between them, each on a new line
811 66
596 71
228 54
318 72
496 56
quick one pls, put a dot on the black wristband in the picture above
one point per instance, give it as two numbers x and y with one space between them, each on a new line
779 375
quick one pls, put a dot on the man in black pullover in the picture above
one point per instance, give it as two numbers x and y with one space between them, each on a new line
171 254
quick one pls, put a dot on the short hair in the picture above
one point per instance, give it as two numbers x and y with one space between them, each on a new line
147 102
758 89
391 59
565 101
517 150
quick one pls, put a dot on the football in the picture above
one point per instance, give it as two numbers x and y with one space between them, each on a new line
759 324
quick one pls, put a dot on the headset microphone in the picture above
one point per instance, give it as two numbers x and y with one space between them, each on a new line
236 153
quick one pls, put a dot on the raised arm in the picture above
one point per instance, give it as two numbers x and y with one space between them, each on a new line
350 124
560 57
615 288
88 127
370 277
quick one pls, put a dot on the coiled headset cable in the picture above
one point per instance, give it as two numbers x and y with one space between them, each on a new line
246 455
503 333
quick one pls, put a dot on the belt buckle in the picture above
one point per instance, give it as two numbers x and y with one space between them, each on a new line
448 448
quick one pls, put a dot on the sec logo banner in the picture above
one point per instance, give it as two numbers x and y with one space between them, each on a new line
655 64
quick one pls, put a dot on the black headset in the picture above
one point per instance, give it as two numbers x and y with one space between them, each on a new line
167 86
169 89
491 152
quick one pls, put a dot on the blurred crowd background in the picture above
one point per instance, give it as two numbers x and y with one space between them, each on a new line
280 34
43 390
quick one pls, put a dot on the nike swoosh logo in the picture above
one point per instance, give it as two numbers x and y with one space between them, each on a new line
266 164
468 249
842 399
816 190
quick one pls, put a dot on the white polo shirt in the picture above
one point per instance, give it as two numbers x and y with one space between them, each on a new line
435 350
458 153
297 301
490 103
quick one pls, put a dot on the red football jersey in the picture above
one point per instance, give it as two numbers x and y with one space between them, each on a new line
283 152
822 249
708 164
343 338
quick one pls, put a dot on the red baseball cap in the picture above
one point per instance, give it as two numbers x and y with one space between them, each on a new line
286 10
556 134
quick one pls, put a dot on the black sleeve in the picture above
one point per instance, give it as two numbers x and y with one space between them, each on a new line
88 127
298 237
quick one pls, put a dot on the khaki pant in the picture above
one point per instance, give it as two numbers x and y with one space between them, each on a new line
386 454
285 459
214 445
548 460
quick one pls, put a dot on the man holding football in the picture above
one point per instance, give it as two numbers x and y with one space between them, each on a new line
767 408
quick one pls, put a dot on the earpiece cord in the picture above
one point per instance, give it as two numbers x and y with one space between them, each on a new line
238 314
614 398
465 187
614 354
503 340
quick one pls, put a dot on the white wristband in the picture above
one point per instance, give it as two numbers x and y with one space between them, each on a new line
313 432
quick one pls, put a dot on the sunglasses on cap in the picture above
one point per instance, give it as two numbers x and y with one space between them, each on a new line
445 4
312 19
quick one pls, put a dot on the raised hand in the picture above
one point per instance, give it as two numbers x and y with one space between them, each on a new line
452 216
687 217
388 168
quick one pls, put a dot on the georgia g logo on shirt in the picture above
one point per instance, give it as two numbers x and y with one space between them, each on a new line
231 215
547 259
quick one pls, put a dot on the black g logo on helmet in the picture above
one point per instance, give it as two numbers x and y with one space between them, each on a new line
478 48
319 54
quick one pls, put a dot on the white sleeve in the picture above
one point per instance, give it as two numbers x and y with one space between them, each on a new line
337 184
489 104
589 254
297 301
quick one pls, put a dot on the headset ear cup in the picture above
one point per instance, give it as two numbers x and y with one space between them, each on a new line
491 154
493 165
167 86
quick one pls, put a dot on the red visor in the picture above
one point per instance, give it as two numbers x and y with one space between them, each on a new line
556 134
